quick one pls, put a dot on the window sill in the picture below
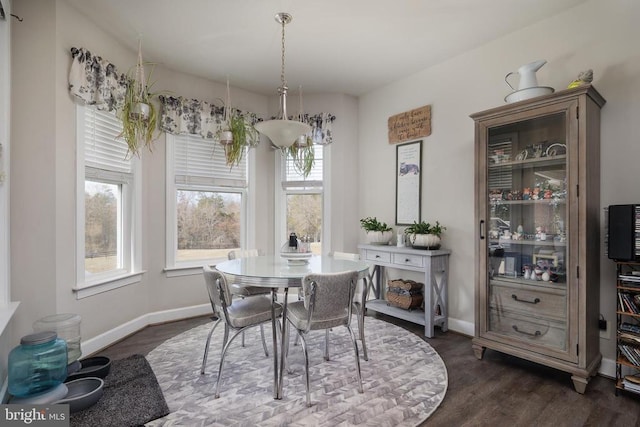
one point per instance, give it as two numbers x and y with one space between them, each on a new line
108 285
183 271
6 313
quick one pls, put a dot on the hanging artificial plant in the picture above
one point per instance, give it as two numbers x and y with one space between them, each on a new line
236 133
138 114
302 151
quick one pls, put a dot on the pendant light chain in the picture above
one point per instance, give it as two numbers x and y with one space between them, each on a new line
282 70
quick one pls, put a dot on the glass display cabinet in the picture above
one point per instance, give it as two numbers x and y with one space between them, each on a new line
538 227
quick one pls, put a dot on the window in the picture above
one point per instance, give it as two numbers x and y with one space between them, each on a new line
301 202
108 245
206 202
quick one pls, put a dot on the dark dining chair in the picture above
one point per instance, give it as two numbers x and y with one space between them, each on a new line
237 315
327 303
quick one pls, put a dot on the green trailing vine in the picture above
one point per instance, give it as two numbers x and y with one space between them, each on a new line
304 157
244 136
138 131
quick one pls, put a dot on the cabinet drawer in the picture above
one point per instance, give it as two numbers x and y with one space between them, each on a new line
534 330
378 256
530 301
408 259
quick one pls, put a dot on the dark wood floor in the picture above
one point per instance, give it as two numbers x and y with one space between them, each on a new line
498 390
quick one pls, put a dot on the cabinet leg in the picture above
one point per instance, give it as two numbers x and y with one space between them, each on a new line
478 351
579 383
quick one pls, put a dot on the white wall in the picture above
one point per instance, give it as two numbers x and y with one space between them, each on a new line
597 35
44 169
43 176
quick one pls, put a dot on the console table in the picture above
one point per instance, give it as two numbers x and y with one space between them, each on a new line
435 267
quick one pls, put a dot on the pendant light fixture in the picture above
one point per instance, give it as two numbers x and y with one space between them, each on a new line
281 131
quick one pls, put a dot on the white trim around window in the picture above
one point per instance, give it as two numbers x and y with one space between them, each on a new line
129 183
207 174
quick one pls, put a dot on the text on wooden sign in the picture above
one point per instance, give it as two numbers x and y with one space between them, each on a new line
410 125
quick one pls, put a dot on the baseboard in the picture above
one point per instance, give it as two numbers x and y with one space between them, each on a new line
607 368
462 326
97 343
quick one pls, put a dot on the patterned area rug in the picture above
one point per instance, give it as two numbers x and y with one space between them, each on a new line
404 380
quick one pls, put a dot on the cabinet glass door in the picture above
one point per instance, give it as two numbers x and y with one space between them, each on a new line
527 226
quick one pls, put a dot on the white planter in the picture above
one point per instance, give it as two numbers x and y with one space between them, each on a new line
428 241
379 237
141 110
226 137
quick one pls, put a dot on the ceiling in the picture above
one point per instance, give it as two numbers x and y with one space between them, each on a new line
332 46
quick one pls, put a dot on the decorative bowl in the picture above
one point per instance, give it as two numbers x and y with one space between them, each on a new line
83 393
296 257
530 92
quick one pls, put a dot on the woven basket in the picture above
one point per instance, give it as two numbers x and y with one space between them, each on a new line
404 301
408 285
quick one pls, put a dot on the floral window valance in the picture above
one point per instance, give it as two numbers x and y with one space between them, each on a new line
96 81
182 116
320 127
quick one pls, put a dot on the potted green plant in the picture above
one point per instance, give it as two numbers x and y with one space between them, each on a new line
138 114
424 235
303 154
236 133
378 233
235 136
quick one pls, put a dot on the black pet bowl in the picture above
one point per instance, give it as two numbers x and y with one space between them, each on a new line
83 393
98 366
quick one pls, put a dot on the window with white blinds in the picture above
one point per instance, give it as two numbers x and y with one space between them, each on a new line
108 197
300 201
199 161
102 147
293 179
206 203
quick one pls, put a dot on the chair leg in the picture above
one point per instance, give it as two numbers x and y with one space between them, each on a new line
206 347
355 349
264 343
242 339
224 353
226 335
306 366
326 344
361 332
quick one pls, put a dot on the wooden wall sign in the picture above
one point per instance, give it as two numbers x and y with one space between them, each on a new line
410 125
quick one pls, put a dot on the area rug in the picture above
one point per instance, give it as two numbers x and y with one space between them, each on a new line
404 381
131 397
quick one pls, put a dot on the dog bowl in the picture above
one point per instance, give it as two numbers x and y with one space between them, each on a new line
48 396
98 366
83 393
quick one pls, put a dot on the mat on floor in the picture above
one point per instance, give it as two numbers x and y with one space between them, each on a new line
132 397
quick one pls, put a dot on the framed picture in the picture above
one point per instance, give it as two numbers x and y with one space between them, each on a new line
408 182
545 261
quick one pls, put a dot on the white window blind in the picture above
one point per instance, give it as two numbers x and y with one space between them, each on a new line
200 161
294 179
103 150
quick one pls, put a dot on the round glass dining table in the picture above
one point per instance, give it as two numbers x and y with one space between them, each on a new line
277 273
